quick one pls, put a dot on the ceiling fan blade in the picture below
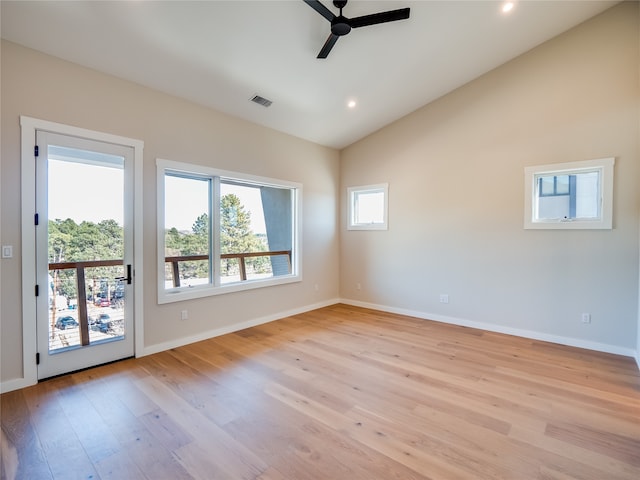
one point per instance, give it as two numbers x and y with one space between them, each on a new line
321 9
328 45
382 17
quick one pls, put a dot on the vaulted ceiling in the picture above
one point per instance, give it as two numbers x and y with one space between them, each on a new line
222 53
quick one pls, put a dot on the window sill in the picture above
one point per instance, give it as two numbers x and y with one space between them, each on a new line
190 293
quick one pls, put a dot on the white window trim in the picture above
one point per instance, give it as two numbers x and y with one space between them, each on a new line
603 165
187 293
352 191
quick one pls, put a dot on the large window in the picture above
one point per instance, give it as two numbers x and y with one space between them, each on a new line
223 231
570 195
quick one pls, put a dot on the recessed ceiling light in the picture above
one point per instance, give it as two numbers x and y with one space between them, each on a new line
507 7
351 104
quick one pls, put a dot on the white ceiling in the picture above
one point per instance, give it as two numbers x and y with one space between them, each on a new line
221 53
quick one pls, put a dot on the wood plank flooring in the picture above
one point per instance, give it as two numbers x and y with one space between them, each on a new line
336 393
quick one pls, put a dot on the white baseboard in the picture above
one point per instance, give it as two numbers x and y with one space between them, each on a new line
18 383
14 384
179 342
532 334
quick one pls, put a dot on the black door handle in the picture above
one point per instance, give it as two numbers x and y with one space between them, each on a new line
128 278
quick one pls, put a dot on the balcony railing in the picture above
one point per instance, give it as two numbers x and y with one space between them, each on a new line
175 261
83 316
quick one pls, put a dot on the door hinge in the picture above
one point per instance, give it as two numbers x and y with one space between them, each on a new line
36 150
37 290
36 219
38 358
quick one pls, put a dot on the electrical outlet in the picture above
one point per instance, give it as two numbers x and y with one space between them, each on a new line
358 286
444 298
184 315
316 287
586 318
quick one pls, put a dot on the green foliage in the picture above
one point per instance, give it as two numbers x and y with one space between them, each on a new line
236 236
70 242
201 225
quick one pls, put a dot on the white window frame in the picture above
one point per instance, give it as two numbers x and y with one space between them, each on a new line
604 167
352 196
168 295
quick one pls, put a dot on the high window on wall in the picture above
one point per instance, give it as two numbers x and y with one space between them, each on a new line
368 207
223 231
576 195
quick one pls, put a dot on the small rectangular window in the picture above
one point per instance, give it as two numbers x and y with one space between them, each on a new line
576 195
368 207
224 231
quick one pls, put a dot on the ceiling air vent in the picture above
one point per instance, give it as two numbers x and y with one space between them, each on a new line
261 101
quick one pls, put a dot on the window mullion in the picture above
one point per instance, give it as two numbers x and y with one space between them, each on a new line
215 236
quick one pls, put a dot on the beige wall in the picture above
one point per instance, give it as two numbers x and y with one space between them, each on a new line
456 172
47 88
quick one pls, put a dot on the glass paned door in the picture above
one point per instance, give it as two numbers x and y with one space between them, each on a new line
83 253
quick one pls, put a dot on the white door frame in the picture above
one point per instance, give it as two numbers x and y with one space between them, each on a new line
29 126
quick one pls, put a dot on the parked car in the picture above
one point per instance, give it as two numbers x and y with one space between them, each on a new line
102 323
101 301
66 322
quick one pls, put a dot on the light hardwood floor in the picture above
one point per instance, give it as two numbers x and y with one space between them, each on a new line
337 393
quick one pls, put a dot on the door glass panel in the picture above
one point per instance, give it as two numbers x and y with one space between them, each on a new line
85 248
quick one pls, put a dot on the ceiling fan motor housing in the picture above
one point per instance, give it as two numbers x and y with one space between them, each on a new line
340 26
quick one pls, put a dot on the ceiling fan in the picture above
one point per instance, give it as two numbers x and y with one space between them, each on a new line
341 25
